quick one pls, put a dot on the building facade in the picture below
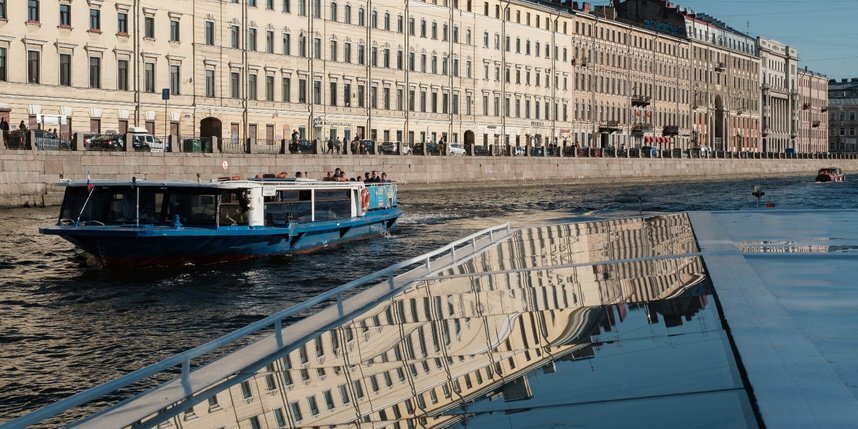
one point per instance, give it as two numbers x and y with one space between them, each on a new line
491 73
778 76
843 109
813 116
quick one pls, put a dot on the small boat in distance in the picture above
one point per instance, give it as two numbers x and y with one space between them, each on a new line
830 174
140 223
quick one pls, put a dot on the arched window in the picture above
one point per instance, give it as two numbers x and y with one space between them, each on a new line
386 21
333 11
374 19
361 21
347 12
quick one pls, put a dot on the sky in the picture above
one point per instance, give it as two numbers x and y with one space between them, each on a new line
825 32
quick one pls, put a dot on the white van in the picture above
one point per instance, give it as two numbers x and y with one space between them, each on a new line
142 141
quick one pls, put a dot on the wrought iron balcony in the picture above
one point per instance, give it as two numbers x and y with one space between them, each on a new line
641 100
816 124
670 130
641 127
805 106
720 66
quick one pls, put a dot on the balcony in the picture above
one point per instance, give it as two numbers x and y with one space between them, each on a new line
816 124
641 100
823 109
640 128
805 106
610 127
670 131
720 66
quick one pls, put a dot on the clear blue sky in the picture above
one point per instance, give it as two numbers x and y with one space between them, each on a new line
825 32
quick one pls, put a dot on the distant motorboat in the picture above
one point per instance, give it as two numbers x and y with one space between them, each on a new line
830 174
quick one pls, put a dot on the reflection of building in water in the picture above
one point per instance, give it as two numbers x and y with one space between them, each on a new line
471 332
781 247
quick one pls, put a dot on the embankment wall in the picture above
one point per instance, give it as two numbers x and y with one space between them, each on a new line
29 177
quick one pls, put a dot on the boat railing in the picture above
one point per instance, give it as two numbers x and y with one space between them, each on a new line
418 267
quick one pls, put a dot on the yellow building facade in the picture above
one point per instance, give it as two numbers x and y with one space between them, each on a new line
490 73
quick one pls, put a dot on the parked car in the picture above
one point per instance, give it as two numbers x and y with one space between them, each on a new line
48 140
109 142
391 148
650 152
142 141
456 149
432 147
519 150
678 153
481 150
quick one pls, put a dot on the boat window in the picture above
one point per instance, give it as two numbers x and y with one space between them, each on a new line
333 204
234 205
113 205
192 206
288 206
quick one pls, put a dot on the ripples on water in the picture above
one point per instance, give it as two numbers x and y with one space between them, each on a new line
65 326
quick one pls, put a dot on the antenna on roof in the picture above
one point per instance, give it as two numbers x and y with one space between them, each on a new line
748 27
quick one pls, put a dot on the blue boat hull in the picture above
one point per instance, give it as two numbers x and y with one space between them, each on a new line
163 245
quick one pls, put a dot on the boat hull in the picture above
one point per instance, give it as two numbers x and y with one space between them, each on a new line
145 245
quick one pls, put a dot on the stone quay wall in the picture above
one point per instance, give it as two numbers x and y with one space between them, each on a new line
29 177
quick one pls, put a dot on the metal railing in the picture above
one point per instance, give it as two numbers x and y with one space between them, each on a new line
470 245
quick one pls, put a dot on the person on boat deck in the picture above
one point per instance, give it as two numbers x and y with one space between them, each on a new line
126 208
328 177
298 175
366 176
384 177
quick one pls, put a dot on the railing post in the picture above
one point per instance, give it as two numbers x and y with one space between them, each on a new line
278 332
340 311
453 253
186 377
391 283
428 265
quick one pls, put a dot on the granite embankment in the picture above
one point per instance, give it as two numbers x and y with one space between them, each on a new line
29 177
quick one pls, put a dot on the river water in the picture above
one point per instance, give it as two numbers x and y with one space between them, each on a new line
66 326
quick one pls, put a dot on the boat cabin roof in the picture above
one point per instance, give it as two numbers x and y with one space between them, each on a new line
220 184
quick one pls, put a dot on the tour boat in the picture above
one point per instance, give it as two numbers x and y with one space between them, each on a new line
145 222
830 174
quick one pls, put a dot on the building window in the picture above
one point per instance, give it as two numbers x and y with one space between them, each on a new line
210 35
334 11
317 48
347 14
360 94
333 50
33 66
122 75
269 4
210 83
269 95
269 42
65 70
302 7
287 6
287 44
347 94
149 77
175 31
3 9
175 80
2 64
235 85
95 19
251 39
360 16
32 10
65 14
286 95
233 32
251 87
302 90
149 27
94 72
122 23
333 93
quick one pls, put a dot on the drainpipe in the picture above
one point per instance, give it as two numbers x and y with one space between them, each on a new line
137 56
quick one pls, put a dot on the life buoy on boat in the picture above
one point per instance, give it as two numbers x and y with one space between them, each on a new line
364 199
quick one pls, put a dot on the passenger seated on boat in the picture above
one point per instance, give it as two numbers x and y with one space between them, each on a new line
384 177
366 176
328 177
298 175
123 208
